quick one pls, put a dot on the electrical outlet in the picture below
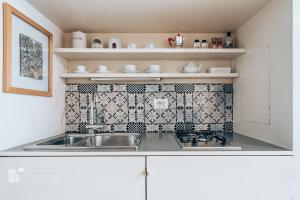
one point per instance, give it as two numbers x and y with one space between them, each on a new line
161 103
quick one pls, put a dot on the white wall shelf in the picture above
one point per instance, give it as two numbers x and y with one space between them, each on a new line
141 76
149 54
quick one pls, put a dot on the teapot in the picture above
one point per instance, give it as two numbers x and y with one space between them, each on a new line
176 41
192 68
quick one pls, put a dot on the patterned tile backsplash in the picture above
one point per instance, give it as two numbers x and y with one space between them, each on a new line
129 107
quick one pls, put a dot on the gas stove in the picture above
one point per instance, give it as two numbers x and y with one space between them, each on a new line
206 140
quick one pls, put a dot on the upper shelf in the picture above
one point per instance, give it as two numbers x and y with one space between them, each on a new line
149 54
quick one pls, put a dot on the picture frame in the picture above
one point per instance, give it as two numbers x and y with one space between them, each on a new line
27 55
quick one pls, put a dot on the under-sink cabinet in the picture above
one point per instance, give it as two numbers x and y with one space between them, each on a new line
72 178
147 177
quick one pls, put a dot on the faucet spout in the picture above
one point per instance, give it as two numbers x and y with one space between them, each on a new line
92 127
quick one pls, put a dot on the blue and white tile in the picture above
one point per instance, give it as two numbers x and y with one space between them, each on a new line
201 127
180 100
119 88
152 88
87 88
201 88
152 127
136 88
131 115
197 115
72 128
188 115
140 100
83 115
140 116
136 127
151 116
228 100
72 99
188 100
167 127
71 88
216 87
228 126
119 127
182 88
201 99
167 116
180 116
228 88
104 88
216 99
168 88
216 127
184 126
72 115
131 100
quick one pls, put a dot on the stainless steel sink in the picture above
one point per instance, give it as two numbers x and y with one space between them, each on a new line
67 140
88 142
111 141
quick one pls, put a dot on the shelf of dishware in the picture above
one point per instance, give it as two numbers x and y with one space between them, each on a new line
116 76
149 54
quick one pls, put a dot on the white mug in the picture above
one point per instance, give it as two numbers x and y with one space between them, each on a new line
150 46
154 68
102 68
129 68
132 46
80 68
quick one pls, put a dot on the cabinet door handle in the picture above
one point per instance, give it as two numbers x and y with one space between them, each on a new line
145 172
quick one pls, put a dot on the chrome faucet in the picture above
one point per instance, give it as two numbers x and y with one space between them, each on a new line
92 127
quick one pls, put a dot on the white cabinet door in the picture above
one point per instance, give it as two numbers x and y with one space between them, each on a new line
220 178
72 178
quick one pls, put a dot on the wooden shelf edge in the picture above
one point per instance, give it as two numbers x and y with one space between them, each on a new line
144 50
152 54
150 75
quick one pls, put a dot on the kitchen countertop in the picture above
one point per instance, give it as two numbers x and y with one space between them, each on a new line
160 144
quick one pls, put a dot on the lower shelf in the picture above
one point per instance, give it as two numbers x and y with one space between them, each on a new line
141 76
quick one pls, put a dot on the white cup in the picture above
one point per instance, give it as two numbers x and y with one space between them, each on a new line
150 46
129 68
132 46
80 68
154 68
102 68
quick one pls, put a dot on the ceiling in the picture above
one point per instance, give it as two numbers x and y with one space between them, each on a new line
149 16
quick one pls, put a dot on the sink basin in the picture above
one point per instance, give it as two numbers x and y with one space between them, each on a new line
65 141
88 142
111 141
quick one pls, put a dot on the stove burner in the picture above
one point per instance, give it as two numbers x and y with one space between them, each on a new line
201 137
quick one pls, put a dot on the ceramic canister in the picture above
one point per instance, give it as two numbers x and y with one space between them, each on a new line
79 39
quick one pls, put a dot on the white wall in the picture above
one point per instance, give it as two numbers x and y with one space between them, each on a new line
25 118
296 93
263 93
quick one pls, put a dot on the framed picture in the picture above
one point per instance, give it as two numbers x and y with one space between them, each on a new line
27 67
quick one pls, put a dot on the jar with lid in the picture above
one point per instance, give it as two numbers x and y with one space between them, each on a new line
197 44
204 44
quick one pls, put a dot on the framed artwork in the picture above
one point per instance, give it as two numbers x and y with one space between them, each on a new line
27 67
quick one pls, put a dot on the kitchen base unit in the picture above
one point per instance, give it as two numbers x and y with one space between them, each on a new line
220 177
76 178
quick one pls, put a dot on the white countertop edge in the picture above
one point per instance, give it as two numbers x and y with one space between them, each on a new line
150 153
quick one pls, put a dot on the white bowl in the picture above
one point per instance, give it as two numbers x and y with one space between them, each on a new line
218 70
